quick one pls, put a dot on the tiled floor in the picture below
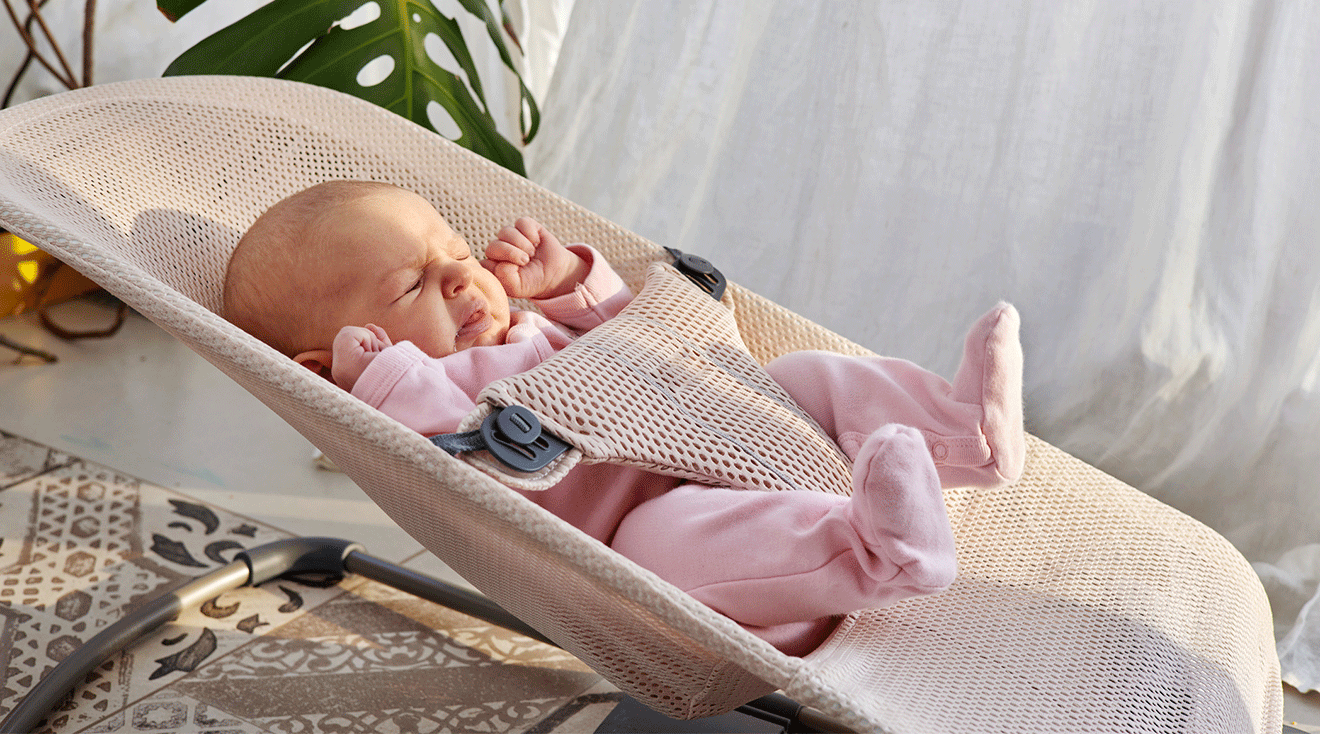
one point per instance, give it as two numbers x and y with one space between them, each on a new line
131 464
80 541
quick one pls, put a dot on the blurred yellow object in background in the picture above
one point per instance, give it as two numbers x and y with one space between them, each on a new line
32 277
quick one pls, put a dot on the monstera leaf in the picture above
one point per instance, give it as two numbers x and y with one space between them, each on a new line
395 59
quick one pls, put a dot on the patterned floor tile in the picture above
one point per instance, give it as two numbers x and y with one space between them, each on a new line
583 713
80 544
354 664
166 711
22 459
493 642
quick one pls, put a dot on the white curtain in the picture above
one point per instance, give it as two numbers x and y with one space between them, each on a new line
1139 178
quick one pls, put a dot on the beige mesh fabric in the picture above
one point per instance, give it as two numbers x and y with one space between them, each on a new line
1083 605
668 386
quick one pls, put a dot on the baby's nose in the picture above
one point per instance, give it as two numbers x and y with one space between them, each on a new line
456 279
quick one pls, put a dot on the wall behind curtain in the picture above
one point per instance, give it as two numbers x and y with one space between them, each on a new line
132 39
1138 178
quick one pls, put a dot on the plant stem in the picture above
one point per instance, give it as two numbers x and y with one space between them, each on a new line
89 26
22 67
28 351
13 82
22 29
35 8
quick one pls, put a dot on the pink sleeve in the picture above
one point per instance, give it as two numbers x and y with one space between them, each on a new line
433 396
597 299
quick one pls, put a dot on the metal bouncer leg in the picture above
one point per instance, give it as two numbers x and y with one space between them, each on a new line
331 556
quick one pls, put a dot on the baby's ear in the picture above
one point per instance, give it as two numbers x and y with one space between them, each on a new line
316 360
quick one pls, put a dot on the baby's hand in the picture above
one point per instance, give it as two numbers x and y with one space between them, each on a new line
531 263
354 348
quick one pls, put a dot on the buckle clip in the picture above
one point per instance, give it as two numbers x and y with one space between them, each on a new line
513 435
700 271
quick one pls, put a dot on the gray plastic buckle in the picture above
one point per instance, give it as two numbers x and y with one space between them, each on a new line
700 271
513 435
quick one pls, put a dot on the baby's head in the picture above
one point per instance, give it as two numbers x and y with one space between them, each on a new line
349 253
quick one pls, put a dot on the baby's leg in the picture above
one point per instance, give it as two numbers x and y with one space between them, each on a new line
973 427
782 562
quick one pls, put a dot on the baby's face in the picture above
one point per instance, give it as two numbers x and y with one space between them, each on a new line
393 261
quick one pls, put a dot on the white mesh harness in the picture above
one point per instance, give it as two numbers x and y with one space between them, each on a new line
667 385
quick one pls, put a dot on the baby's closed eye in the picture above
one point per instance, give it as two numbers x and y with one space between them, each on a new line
409 287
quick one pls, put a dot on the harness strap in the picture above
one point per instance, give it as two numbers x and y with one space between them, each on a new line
514 435
668 386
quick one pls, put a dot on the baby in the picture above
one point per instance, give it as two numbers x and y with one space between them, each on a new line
366 284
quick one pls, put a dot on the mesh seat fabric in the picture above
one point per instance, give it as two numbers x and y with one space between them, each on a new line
1082 604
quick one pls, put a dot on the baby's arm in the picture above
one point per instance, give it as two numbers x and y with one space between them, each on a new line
354 348
530 262
600 297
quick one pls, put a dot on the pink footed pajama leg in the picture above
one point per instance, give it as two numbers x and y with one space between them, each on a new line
973 427
991 376
783 563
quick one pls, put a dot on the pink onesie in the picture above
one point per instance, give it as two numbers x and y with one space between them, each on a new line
783 564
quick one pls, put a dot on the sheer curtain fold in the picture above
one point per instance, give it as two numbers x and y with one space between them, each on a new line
1136 177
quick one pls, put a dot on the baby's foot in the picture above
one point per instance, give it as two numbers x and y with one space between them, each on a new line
991 376
354 348
898 508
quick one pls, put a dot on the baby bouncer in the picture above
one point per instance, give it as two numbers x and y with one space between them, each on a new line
1081 603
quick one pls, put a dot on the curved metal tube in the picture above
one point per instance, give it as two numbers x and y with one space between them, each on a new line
146 619
453 597
302 555
248 568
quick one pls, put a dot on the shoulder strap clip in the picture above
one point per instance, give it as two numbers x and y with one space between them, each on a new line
700 271
513 435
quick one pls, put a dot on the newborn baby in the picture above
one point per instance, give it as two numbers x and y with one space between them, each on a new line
366 284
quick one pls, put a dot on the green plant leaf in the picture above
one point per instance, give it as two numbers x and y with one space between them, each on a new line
261 43
529 117
268 41
175 9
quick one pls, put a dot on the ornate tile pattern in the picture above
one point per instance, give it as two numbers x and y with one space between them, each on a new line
21 459
80 543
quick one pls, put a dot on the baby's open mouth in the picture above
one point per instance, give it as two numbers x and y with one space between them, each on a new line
475 324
